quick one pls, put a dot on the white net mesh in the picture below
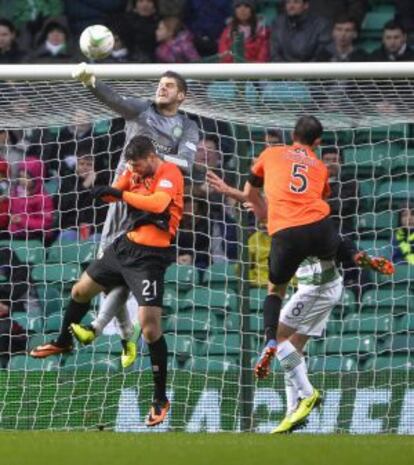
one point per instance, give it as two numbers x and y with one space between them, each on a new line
213 317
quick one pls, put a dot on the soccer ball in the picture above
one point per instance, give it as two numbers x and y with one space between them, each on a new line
96 42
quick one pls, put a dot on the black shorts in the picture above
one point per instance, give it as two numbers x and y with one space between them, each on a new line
293 245
139 267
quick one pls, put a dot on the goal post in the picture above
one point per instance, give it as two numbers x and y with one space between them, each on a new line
213 322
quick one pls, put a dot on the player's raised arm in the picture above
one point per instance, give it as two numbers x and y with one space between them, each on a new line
127 107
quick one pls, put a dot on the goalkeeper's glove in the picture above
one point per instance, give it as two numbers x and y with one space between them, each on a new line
83 74
98 192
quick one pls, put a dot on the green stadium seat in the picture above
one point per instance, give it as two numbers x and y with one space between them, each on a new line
285 92
183 277
334 326
386 301
27 363
404 323
221 276
350 345
392 362
225 344
257 296
107 344
397 344
66 273
368 323
31 251
50 299
72 252
380 223
53 323
393 132
91 361
369 45
403 273
198 320
256 323
403 163
185 346
170 300
218 300
375 20
315 347
331 363
391 193
375 247
33 323
212 363
348 304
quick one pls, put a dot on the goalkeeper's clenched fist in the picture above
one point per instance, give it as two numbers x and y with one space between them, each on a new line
83 74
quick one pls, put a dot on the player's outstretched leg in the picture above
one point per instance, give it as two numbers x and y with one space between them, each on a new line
271 311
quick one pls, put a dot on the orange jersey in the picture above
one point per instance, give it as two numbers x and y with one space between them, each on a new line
149 225
295 186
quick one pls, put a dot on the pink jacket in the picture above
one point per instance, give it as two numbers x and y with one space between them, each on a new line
35 211
178 50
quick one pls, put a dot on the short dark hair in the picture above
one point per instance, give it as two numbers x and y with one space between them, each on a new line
393 25
6 23
213 138
345 18
332 149
274 132
139 148
307 129
181 82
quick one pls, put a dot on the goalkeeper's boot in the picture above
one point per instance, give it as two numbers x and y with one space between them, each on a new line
262 368
158 413
305 407
379 264
129 353
285 426
48 349
84 334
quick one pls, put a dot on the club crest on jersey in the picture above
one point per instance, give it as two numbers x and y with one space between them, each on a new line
177 131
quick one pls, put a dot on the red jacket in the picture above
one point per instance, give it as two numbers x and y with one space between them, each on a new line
256 49
4 201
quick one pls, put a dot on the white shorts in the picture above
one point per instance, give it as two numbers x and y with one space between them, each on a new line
309 307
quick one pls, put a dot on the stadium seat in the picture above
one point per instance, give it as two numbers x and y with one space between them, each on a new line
170 300
348 304
72 252
315 346
27 363
50 299
376 246
350 345
219 301
106 344
369 45
403 273
380 223
391 193
403 163
386 301
66 274
30 251
392 132
397 344
285 92
30 322
257 296
198 321
182 276
226 344
212 363
383 362
368 323
91 361
53 323
404 323
331 363
375 20
185 346
221 276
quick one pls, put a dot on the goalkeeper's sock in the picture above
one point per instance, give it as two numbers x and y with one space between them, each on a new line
271 311
109 308
294 366
159 354
73 314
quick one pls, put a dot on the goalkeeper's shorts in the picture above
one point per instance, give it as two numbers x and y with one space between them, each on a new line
141 268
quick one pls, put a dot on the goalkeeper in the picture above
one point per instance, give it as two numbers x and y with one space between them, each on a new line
153 192
175 138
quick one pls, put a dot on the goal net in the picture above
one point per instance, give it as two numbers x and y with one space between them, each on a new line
363 364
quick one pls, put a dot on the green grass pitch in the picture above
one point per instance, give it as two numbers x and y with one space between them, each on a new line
106 448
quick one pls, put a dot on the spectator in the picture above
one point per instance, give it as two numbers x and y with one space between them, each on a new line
32 13
298 35
259 249
175 44
394 44
344 193
253 33
273 137
13 337
206 21
4 197
403 240
31 207
81 13
80 216
333 9
10 152
121 53
344 34
404 15
192 238
171 7
137 29
54 46
9 51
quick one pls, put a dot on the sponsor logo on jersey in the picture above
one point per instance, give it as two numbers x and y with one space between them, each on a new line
177 131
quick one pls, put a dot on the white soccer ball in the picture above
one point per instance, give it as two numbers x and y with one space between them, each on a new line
96 42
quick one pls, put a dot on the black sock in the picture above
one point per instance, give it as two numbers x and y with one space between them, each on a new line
271 310
159 354
73 314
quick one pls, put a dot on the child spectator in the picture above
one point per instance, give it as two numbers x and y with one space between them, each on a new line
403 240
9 51
31 207
254 34
175 43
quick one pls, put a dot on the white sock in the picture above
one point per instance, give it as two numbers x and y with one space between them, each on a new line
110 308
126 327
292 395
293 364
